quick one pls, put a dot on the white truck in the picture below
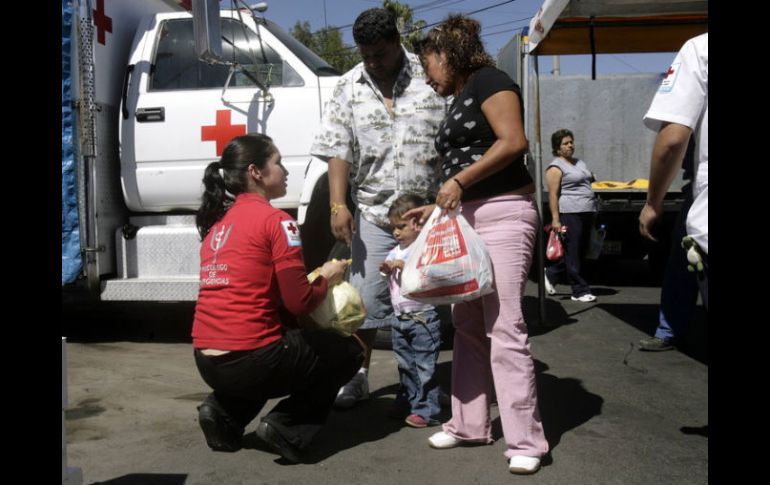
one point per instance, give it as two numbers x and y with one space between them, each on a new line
158 88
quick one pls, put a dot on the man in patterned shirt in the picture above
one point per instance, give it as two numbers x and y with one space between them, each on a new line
377 135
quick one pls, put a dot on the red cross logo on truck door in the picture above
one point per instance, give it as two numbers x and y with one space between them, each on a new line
668 73
223 131
102 22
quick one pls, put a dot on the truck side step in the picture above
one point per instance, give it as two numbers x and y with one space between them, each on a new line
149 289
158 259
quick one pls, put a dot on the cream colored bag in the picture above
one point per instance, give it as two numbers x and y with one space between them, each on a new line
342 310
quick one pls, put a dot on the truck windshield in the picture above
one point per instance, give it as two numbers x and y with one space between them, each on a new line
310 58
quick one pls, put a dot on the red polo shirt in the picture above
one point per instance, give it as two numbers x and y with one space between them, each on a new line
238 299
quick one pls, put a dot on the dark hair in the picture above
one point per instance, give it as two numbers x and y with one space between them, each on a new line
374 25
405 202
556 138
241 152
458 38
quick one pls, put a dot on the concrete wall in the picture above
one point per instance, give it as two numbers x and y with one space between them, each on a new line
606 117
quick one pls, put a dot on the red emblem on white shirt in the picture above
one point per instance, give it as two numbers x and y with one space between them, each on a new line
291 230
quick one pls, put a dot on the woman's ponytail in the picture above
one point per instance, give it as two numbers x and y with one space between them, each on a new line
228 177
213 202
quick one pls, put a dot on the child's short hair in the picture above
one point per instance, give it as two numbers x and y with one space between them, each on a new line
404 203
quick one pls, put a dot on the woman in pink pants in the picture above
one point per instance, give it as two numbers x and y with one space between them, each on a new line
482 143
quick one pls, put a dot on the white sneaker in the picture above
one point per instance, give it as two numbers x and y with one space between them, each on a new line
352 392
588 297
442 440
523 465
548 286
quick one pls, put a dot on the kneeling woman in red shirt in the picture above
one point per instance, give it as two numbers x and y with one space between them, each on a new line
248 346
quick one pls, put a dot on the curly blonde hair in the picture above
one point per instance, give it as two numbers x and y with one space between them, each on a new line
457 37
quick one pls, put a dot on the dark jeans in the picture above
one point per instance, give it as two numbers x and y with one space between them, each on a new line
679 294
703 281
308 365
576 242
416 342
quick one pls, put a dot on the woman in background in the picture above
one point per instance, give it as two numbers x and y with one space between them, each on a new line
573 204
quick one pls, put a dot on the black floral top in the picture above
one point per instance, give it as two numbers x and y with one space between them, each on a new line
465 135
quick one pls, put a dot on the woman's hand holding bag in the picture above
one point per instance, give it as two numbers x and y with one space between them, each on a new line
554 250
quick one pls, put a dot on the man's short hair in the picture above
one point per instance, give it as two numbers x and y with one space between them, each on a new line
374 25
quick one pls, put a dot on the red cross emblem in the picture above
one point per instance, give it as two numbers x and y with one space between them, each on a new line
291 227
103 23
668 73
223 131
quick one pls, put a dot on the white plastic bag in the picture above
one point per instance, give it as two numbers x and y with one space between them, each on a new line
342 310
448 263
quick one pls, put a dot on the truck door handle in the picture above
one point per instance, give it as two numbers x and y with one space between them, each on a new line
147 115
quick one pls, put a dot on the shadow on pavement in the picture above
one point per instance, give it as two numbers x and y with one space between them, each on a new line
609 272
644 317
564 404
700 430
146 479
89 322
366 421
555 315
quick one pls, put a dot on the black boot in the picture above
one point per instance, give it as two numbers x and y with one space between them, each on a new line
221 432
277 442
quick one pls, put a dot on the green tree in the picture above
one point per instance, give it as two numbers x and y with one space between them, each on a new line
301 32
328 44
411 30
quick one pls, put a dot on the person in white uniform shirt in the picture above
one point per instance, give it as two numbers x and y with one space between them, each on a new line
678 111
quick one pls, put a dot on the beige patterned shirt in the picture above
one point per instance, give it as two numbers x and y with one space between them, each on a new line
389 154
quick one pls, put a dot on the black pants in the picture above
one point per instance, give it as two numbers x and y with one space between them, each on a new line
576 240
703 281
308 365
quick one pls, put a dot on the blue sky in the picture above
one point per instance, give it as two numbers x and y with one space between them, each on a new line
498 26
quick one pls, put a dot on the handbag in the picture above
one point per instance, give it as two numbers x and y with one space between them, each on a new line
554 250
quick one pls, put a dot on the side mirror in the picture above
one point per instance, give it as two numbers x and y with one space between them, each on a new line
207 30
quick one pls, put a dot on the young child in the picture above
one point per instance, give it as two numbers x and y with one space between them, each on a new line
416 330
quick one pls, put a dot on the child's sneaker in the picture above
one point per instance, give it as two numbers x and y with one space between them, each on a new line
416 421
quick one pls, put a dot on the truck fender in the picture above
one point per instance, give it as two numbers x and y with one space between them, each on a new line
316 168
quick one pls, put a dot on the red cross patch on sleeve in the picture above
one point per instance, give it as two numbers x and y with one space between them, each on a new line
291 230
669 78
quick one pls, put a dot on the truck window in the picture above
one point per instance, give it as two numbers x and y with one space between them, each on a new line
176 67
308 57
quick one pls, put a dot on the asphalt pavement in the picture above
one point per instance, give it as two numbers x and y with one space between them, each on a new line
612 414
